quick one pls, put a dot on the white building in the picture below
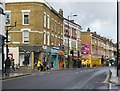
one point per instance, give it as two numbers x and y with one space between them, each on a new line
74 36
2 16
2 25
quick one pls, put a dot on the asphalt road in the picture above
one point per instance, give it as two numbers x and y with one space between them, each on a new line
66 79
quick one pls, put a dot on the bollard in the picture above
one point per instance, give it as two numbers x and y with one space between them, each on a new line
110 86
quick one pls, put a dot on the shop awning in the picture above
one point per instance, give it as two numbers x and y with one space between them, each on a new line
74 57
47 50
30 48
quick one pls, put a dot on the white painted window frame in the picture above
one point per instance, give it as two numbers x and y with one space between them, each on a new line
44 19
55 26
59 31
8 11
52 24
23 12
61 27
48 38
44 37
48 21
23 35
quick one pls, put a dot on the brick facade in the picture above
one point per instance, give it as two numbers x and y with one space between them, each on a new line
40 33
99 46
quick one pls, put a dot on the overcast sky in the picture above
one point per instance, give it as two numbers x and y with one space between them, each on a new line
98 15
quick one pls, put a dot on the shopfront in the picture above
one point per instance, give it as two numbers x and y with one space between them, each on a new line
61 58
54 57
28 55
86 55
96 59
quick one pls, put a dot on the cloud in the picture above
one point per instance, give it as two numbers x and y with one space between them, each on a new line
99 24
81 0
101 27
98 16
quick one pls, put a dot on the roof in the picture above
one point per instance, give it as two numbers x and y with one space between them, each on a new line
99 37
18 1
34 1
72 22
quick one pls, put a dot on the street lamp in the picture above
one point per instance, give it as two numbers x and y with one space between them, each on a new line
7 50
2 39
118 31
68 36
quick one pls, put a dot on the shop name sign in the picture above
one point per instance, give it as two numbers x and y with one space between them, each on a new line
85 48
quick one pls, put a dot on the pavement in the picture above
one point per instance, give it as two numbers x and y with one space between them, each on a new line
17 73
114 81
22 72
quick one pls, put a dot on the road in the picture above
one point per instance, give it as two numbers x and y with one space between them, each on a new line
67 79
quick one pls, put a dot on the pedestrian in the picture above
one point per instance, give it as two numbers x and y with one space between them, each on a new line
7 66
107 62
47 67
85 63
38 65
102 60
44 65
82 63
41 66
35 63
63 65
12 64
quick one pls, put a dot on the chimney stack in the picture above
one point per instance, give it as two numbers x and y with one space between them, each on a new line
88 30
61 12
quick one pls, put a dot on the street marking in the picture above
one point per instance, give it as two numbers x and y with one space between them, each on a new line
76 72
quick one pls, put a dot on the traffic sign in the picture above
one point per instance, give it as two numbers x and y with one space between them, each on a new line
62 47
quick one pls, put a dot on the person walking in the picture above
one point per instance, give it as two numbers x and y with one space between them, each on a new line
41 66
44 65
7 66
13 64
38 65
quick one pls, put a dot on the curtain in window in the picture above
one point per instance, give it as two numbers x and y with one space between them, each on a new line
26 18
26 35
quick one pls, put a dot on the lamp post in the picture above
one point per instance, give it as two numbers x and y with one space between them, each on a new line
118 31
68 38
7 50
2 36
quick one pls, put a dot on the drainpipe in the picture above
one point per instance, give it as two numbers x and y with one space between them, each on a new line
32 53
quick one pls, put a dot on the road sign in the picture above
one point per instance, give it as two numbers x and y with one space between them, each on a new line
62 47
